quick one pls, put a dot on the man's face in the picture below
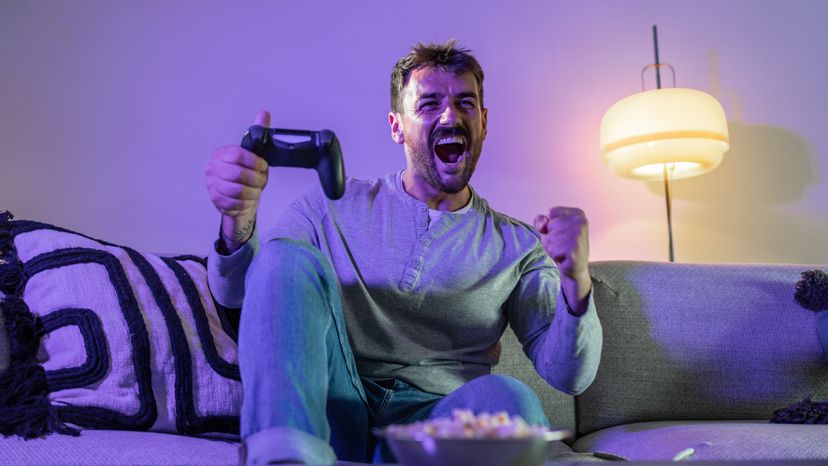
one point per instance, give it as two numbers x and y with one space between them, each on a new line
442 128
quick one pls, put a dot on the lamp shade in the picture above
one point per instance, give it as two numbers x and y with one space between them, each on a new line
683 127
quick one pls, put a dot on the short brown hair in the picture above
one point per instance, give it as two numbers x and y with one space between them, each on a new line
445 56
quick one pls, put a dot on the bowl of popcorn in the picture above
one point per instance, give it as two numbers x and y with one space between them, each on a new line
483 439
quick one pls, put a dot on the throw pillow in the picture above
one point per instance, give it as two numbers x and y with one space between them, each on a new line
120 339
812 294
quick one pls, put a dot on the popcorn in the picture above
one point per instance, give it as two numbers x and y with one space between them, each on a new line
464 424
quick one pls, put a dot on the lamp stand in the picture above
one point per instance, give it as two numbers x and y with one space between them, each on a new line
668 171
668 175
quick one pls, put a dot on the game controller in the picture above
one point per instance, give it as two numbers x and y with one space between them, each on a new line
301 148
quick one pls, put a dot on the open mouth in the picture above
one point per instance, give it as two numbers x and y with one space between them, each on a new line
450 149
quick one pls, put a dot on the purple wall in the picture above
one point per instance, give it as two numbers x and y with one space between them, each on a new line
109 111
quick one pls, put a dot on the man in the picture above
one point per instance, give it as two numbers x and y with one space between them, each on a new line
387 306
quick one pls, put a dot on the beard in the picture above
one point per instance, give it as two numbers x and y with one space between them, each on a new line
425 161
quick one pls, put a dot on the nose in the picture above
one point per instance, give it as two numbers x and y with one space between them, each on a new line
449 116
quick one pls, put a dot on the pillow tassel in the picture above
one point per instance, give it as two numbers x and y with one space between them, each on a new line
812 291
11 273
802 412
25 409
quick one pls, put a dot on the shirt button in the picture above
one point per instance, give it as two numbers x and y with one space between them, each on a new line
424 242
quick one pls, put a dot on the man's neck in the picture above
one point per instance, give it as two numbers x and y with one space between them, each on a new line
435 199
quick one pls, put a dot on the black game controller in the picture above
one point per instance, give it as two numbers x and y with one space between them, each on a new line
301 148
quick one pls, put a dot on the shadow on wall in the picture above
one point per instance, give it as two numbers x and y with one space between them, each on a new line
740 212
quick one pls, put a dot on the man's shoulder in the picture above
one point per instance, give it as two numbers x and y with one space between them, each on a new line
354 188
506 223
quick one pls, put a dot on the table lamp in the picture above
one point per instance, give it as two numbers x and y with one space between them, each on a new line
667 134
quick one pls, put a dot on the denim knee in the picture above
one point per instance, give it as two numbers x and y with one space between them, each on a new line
282 254
290 267
493 393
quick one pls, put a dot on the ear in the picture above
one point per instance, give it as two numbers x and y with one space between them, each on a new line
396 128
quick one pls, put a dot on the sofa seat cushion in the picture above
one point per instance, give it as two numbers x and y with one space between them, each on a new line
709 440
106 447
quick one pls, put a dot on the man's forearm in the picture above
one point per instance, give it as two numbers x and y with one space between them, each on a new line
570 353
235 231
576 293
226 271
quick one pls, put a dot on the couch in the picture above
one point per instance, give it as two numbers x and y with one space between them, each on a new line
696 359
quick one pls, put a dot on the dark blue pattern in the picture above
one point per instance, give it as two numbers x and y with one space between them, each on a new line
228 317
222 367
94 340
187 421
93 416
186 417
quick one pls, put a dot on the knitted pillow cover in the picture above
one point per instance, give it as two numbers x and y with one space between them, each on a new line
101 336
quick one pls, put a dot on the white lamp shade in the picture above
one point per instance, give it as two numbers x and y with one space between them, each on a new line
683 127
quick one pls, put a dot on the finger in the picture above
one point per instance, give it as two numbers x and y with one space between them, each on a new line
239 191
231 206
239 174
565 212
574 222
540 223
262 119
565 229
240 156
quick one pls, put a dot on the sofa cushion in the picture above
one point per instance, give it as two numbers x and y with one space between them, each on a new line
558 406
105 447
713 440
700 342
132 341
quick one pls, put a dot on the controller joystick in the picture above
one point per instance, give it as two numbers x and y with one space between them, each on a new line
319 150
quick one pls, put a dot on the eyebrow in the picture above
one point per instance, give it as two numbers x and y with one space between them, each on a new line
437 95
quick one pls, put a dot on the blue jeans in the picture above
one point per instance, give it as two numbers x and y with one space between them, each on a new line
304 400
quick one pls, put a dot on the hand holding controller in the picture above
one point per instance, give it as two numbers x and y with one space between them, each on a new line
319 150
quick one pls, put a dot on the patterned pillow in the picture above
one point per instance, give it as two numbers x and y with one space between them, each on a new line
129 341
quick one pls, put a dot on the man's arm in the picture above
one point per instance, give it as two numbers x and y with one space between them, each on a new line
564 348
566 351
235 180
565 237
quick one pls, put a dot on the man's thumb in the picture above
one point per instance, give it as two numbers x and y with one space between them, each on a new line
262 119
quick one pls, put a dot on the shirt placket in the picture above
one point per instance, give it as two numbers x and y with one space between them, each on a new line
425 237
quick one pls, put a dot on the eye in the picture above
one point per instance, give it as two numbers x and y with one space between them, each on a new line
428 104
468 103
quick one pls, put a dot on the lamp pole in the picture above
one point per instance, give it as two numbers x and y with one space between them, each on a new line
667 170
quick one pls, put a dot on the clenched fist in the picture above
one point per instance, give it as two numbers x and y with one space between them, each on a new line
235 180
565 237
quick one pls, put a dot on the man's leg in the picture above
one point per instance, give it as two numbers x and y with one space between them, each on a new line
404 404
301 388
494 393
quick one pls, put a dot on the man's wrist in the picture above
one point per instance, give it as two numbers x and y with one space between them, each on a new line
241 232
575 293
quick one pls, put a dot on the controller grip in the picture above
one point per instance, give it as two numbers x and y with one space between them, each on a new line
331 168
319 150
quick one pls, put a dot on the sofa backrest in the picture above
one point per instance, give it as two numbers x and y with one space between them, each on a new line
558 407
700 342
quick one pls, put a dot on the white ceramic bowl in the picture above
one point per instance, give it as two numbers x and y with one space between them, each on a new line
429 451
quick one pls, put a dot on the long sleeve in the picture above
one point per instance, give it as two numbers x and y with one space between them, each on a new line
564 349
226 273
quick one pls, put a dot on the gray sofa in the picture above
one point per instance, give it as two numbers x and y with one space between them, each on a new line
696 359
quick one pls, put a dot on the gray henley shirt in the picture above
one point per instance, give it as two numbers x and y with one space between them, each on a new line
427 302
